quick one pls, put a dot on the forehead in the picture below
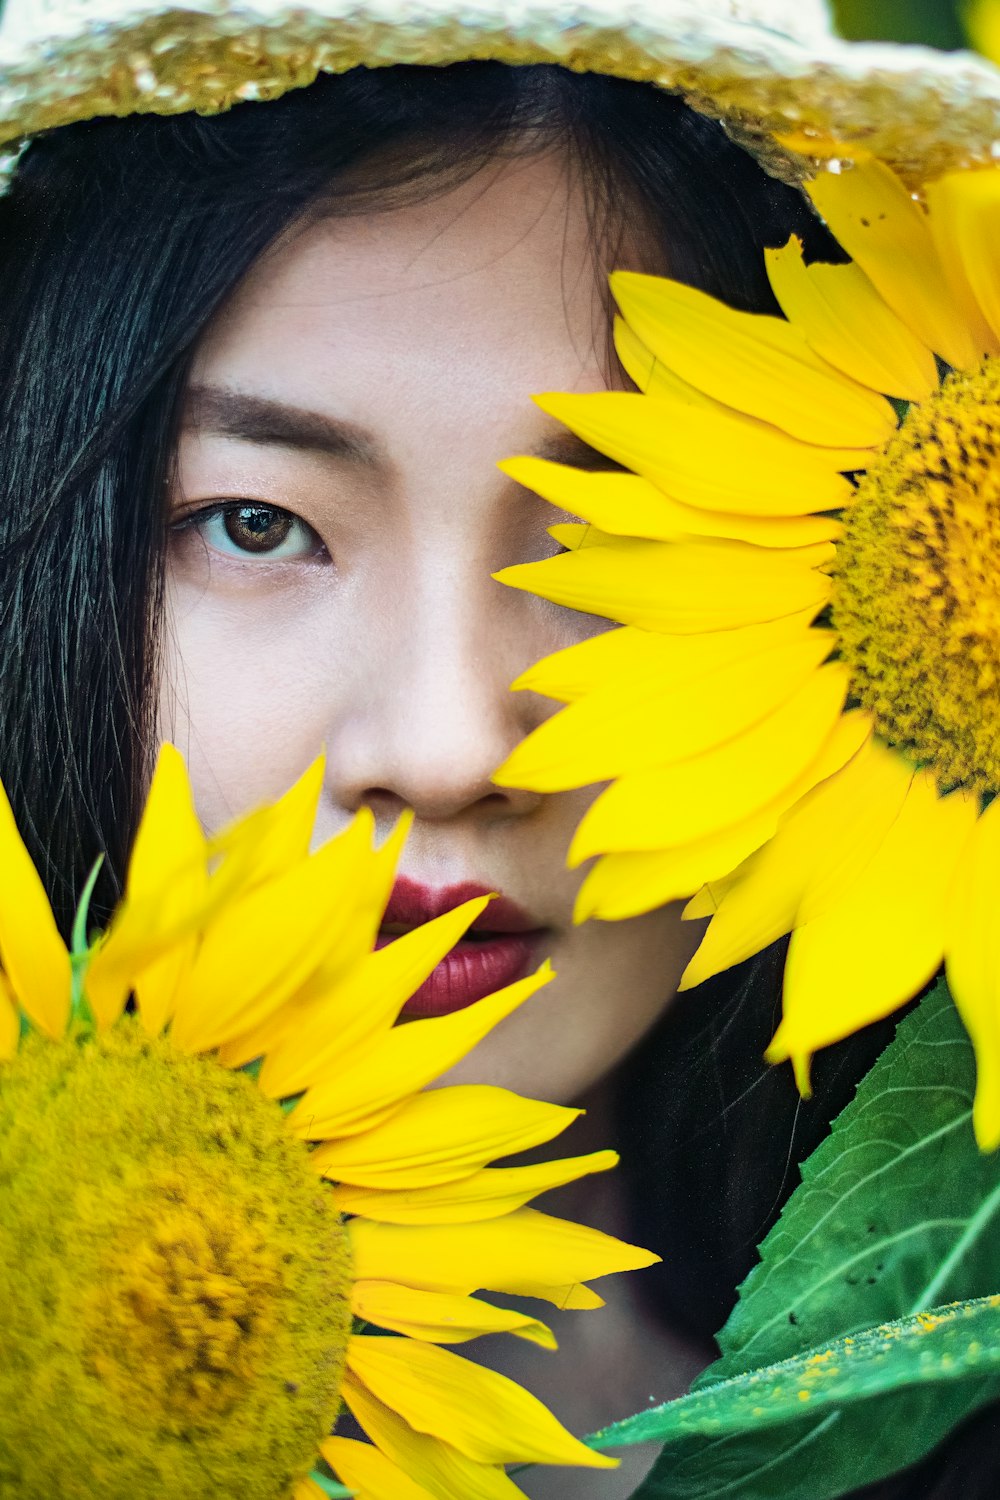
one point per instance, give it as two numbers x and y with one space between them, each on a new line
506 256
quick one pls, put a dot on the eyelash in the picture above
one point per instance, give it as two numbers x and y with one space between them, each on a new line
222 511
310 546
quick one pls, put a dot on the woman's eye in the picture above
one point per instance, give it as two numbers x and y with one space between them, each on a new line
257 530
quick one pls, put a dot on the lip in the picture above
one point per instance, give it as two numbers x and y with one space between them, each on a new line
475 967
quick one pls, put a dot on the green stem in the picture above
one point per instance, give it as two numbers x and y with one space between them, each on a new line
80 949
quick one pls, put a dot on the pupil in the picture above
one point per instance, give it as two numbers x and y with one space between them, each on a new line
257 528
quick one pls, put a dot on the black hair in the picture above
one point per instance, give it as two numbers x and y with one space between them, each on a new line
119 240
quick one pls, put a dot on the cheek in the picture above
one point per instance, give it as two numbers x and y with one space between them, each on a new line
617 978
614 981
244 692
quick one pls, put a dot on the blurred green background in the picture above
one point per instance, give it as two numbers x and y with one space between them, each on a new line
934 21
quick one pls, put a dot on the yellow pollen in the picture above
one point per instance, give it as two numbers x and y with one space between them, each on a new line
176 1279
917 584
185 1304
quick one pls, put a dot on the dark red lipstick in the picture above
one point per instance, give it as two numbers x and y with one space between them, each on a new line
497 950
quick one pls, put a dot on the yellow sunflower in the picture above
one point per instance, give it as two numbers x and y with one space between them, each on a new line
801 716
223 1205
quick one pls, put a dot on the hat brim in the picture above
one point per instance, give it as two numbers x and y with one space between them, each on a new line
920 110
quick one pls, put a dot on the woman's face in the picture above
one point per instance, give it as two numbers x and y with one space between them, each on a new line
337 515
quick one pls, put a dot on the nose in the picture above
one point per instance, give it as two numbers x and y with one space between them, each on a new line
427 713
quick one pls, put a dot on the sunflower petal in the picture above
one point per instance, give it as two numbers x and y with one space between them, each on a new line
246 1047
441 1469
371 900
760 531
704 585
575 1297
261 845
881 227
576 670
761 365
441 1317
442 1136
973 966
165 832
821 847
403 1062
527 1253
655 378
625 505
695 798
307 1489
369 894
153 934
883 940
487 1194
362 1468
753 470
168 863
352 997
34 956
361 1004
626 885
707 901
157 988
637 656
633 506
263 945
616 730
965 221
846 322
485 1415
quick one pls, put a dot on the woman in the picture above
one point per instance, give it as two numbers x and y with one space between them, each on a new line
259 370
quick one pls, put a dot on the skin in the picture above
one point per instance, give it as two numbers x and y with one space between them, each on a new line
377 630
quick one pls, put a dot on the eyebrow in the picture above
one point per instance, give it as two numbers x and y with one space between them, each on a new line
269 423
274 424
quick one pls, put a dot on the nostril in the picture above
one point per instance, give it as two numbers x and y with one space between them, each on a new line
386 806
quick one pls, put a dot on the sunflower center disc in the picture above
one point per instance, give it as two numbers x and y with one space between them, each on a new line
176 1279
917 587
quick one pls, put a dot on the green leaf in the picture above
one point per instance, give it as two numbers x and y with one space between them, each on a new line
898 1212
960 1342
803 1397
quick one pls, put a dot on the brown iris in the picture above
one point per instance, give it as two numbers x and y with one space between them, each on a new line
257 528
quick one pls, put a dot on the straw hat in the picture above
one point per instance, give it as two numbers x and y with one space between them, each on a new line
765 67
